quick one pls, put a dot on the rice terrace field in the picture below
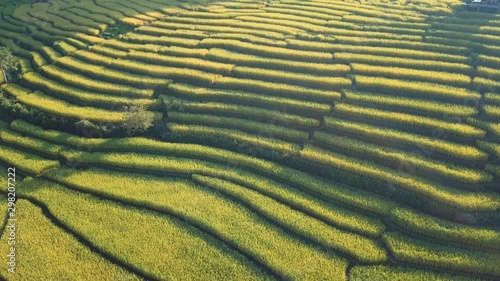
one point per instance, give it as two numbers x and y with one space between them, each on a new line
249 140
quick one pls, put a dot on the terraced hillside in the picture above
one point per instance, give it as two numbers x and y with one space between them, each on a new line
292 139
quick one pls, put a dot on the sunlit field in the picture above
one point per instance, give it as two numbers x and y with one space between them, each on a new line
249 140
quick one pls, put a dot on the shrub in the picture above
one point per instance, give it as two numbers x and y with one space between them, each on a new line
137 119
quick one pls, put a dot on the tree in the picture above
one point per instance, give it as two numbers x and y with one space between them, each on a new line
8 63
137 119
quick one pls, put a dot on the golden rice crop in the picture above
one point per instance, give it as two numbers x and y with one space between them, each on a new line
124 227
104 73
492 127
492 98
392 272
194 63
307 16
304 18
39 235
80 20
395 156
249 38
234 110
283 21
261 240
98 18
358 247
280 64
401 53
274 52
160 27
81 95
412 74
423 46
279 89
492 111
444 147
357 199
233 23
309 45
431 90
238 136
490 61
410 120
371 33
378 21
41 146
258 128
460 199
38 59
160 40
26 162
410 105
436 228
60 108
314 81
64 48
489 73
245 98
491 147
420 252
101 86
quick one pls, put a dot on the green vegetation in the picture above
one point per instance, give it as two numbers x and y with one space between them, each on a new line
8 64
441 256
273 140
39 235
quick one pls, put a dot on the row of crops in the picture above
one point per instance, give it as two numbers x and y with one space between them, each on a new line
341 219
384 117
